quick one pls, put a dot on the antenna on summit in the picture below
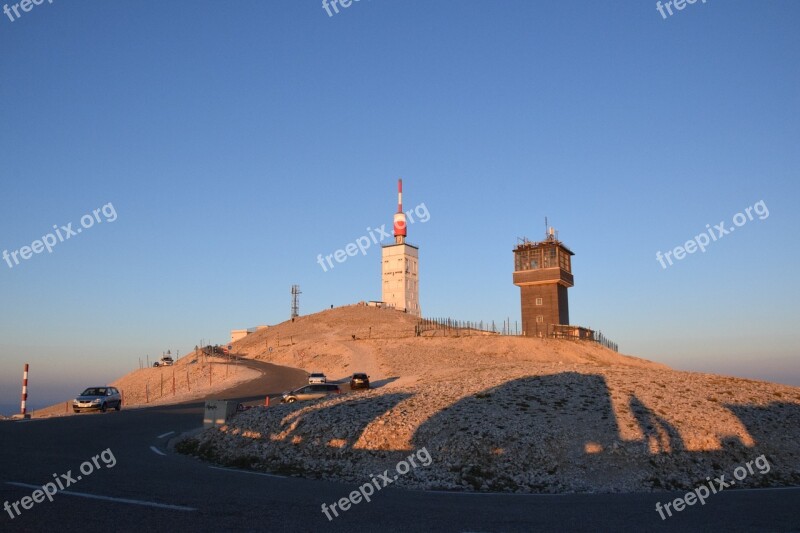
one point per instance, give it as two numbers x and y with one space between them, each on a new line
400 217
295 301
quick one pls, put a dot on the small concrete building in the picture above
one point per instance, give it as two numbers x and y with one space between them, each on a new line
238 334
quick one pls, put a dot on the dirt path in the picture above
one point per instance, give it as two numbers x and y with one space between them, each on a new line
363 359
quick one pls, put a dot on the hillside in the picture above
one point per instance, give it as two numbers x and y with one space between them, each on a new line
193 376
504 413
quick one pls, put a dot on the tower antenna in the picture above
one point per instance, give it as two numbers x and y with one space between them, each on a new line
400 217
295 301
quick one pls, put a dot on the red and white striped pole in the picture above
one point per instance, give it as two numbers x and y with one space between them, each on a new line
24 390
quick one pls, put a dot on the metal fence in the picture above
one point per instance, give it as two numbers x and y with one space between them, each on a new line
463 328
448 327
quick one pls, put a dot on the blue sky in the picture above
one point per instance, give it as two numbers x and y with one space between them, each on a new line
236 142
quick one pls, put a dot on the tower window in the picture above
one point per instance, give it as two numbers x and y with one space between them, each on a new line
550 257
539 301
539 319
563 260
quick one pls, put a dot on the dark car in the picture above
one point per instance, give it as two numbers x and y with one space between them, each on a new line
359 381
311 392
97 398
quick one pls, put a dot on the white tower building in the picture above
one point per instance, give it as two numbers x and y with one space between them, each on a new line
399 267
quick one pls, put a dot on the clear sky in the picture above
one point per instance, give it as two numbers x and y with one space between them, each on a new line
237 141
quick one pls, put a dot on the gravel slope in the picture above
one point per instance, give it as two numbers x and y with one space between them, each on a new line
506 414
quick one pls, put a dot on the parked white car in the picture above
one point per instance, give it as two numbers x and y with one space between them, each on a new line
317 377
164 361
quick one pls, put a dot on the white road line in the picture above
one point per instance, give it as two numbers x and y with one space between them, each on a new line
159 452
167 434
109 498
247 472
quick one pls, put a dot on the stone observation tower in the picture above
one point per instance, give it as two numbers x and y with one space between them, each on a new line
543 272
399 266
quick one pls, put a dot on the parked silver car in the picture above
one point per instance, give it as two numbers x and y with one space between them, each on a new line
97 398
311 392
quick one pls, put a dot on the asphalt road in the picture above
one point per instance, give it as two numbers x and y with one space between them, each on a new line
151 489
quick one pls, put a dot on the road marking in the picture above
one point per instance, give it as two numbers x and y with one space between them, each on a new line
159 452
109 498
167 434
247 472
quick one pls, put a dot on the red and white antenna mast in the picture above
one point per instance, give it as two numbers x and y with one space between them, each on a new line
400 216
